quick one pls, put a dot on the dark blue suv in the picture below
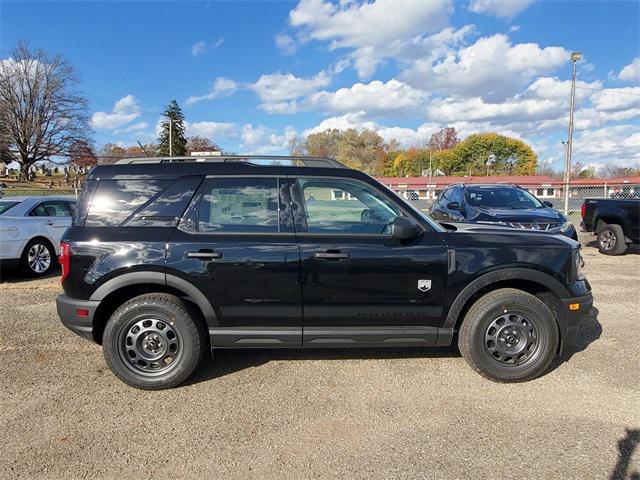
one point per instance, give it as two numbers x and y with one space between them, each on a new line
506 205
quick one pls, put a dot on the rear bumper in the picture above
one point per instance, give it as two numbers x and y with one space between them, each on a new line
68 312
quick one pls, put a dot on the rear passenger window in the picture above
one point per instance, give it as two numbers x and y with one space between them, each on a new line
116 200
239 205
52 209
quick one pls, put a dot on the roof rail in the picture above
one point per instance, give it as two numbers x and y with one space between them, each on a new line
253 160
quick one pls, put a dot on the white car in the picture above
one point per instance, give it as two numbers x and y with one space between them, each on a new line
30 231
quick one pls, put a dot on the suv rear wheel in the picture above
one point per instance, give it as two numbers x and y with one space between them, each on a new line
509 336
153 341
611 239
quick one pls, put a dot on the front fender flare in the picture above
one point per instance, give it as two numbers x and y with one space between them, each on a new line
501 275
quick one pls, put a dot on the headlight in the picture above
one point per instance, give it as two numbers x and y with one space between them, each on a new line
566 226
576 265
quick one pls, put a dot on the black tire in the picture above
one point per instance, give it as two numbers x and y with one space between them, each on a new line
611 239
515 357
38 258
166 348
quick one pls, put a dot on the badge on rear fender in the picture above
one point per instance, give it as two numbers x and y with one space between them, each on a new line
424 285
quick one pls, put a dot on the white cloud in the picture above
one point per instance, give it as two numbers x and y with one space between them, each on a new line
136 127
616 99
490 66
619 144
199 48
369 28
124 111
261 140
500 8
222 87
631 72
211 130
219 42
286 44
373 99
373 23
276 87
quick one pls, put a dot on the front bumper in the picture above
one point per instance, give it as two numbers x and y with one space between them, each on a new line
575 310
68 311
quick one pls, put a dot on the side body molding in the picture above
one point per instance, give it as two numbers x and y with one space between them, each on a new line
500 276
159 278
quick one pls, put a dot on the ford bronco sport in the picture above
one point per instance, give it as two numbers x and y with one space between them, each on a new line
170 257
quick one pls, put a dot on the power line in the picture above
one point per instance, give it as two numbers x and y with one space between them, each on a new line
609 90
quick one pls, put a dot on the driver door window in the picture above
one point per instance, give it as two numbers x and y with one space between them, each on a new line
344 206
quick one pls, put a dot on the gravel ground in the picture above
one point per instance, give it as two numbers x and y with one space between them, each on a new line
419 413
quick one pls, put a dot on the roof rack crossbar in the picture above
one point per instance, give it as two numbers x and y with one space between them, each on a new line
253 160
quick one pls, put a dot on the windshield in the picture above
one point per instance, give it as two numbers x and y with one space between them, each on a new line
4 206
501 197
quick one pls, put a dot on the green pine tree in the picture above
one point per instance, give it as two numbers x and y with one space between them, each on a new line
178 140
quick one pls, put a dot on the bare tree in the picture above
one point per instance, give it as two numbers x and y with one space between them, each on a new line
42 113
445 139
200 144
82 154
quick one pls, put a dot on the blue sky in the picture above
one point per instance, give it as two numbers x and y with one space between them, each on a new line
250 75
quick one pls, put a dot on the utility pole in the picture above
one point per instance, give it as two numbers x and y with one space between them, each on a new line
170 137
575 57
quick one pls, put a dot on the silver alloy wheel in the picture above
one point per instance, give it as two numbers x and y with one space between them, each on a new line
607 240
149 346
39 258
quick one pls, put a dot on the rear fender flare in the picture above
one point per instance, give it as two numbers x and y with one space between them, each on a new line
159 278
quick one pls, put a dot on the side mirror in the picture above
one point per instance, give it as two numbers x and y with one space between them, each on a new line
547 203
453 206
403 229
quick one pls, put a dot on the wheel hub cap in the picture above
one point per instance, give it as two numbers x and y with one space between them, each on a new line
39 258
607 240
150 346
511 339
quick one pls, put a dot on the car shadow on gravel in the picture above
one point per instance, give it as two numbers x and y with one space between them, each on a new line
588 332
16 275
230 361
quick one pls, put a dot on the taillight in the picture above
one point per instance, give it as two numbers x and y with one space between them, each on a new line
583 209
64 260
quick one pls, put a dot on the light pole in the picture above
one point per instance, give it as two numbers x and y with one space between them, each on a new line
575 57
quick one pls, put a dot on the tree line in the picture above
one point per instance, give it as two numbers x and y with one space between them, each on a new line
444 153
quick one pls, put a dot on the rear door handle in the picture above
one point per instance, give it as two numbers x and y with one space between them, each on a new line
204 254
331 255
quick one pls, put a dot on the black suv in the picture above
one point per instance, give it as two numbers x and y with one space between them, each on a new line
167 258
501 204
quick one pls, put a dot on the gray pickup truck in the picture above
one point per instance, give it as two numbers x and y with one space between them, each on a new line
615 221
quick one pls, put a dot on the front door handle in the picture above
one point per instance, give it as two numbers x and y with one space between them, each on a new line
204 254
331 255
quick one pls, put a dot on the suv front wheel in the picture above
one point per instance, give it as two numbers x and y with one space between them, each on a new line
153 341
509 335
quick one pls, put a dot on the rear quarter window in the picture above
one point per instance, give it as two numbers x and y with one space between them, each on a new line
114 201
